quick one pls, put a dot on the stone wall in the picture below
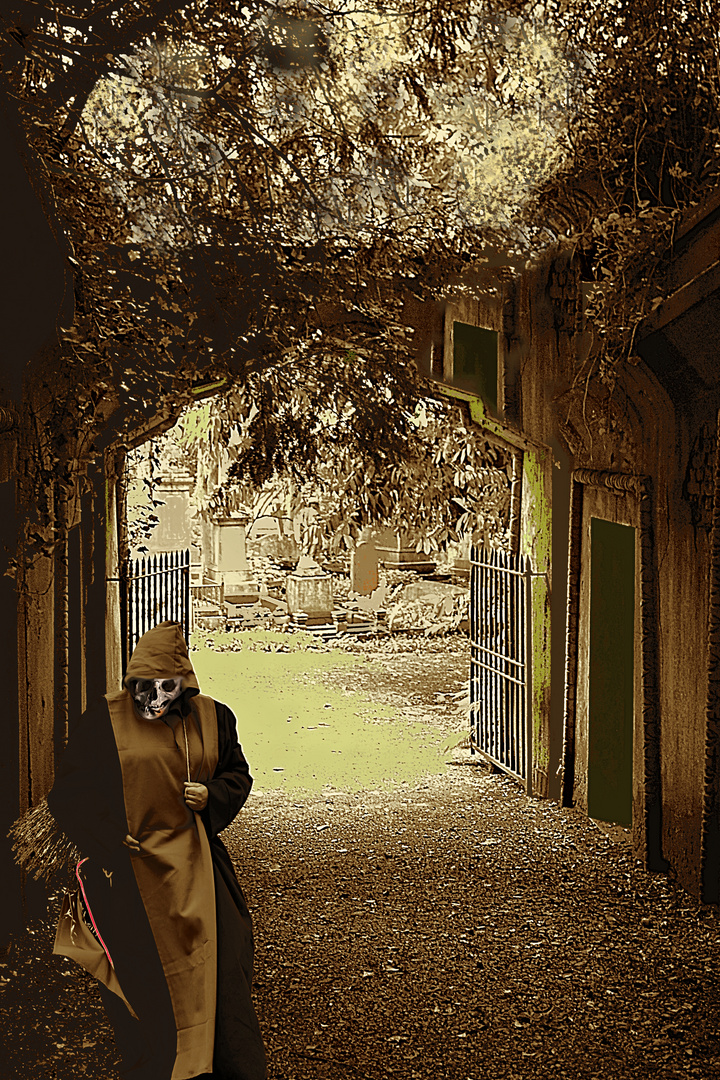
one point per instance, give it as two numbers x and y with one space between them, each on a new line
535 317
631 428
682 532
561 418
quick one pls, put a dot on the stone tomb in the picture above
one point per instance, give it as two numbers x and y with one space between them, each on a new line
309 594
397 551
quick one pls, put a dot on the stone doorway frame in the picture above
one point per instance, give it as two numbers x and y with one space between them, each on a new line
647 832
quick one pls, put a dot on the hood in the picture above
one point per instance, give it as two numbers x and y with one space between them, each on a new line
161 653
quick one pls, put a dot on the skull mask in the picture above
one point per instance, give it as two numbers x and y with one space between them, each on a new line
153 697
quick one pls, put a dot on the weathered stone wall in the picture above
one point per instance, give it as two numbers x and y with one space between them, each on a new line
673 444
539 324
631 427
683 576
536 319
635 428
10 904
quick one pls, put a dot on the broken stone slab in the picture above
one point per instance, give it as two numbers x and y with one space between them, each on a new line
276 606
211 622
246 612
429 591
375 601
431 607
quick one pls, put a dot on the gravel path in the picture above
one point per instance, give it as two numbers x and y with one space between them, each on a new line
453 930
449 930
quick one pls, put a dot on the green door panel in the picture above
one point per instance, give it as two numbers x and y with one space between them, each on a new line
611 691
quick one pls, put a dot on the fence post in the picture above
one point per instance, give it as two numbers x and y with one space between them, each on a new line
528 679
186 590
124 612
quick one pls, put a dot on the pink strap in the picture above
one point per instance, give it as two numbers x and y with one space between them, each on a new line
87 906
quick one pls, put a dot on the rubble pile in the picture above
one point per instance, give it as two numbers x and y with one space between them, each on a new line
401 603
434 606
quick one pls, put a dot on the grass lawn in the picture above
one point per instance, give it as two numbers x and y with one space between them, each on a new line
297 733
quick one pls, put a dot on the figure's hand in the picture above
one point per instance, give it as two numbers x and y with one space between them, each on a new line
196 796
132 843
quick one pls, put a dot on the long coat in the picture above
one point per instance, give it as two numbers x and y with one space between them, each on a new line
170 924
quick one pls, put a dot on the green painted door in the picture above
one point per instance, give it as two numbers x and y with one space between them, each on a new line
612 636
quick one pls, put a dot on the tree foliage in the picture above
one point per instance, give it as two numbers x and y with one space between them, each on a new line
249 191
642 148
446 482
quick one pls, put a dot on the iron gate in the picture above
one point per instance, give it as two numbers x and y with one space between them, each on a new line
156 589
500 674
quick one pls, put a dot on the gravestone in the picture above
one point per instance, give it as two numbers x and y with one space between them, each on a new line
460 559
226 560
173 531
364 568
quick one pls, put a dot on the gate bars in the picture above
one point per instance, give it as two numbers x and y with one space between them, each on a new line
501 691
156 589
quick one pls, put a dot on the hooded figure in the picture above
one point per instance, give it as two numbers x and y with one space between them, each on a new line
150 776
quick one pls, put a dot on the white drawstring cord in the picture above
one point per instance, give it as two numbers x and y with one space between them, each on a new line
187 749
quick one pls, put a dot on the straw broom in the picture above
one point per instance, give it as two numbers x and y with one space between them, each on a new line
40 846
